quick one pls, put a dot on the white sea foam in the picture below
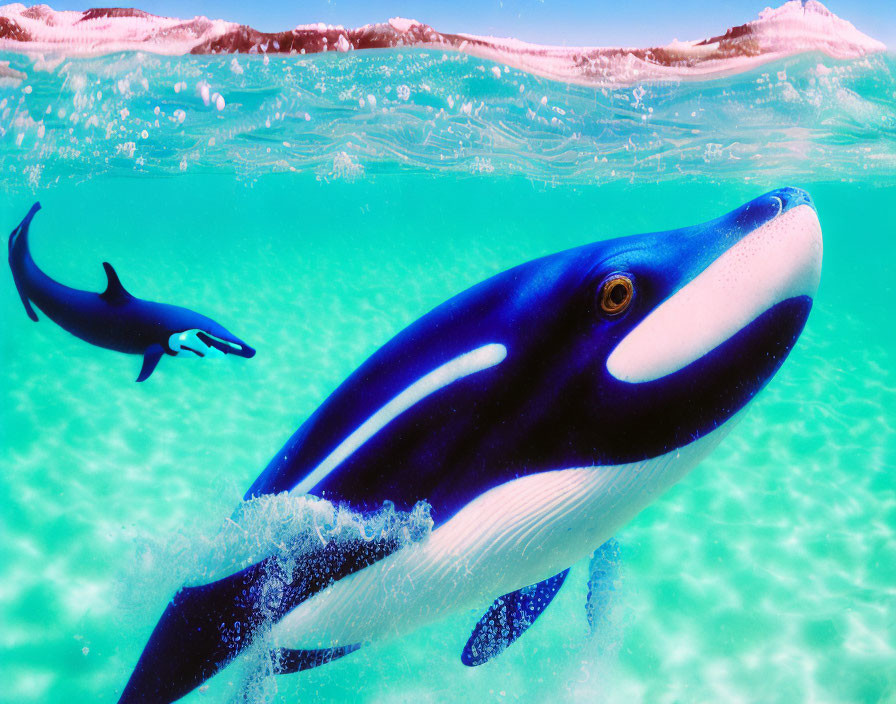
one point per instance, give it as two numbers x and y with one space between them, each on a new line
280 526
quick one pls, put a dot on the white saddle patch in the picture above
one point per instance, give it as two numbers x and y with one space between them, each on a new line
469 363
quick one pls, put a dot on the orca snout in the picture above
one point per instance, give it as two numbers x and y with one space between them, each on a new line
244 350
791 197
785 254
778 260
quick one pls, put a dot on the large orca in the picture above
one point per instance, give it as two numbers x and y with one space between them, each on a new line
115 319
536 412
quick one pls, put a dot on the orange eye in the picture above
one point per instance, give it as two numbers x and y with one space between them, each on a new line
616 294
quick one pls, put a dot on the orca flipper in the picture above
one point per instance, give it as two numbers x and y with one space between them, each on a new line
115 292
603 573
508 618
28 309
287 661
150 359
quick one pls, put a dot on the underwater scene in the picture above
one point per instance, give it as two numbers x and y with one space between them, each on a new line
385 364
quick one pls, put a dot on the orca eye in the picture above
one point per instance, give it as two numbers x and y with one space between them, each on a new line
616 294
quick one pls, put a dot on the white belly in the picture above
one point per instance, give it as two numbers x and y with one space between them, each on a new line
514 535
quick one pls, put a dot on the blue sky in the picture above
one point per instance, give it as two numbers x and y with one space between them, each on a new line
594 22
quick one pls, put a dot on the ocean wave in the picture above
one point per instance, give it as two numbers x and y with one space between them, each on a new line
794 28
351 115
357 116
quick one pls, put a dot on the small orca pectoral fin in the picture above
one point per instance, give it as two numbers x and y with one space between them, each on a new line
115 292
150 359
508 618
288 661
603 572
27 303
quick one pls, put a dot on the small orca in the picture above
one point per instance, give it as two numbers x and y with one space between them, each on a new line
115 319
537 413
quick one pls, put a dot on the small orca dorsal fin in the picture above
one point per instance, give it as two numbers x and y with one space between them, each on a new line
287 661
115 292
150 359
508 618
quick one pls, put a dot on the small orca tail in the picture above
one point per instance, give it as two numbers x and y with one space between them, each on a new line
20 233
18 249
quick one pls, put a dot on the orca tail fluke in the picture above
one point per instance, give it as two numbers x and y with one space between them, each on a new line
18 245
204 628
19 236
30 215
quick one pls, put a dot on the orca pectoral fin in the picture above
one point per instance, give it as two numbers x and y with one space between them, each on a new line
603 575
25 302
150 359
287 661
508 618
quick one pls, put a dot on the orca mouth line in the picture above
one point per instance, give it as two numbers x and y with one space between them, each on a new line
240 349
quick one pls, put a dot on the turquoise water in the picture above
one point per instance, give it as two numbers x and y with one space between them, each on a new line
768 574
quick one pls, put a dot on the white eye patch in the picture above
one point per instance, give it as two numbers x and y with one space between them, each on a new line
777 261
188 344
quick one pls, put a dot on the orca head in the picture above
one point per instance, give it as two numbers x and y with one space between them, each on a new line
205 343
617 351
682 328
